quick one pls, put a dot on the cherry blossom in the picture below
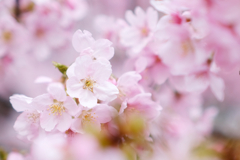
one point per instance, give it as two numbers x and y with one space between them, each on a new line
140 30
84 43
141 104
27 124
88 81
101 113
57 108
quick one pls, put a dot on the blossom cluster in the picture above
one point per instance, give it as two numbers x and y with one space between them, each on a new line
152 106
33 32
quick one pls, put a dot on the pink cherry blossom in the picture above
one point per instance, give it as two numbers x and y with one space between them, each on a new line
57 108
184 103
149 64
110 31
84 43
12 36
128 84
95 116
140 30
180 53
27 124
46 33
200 80
88 81
73 10
141 104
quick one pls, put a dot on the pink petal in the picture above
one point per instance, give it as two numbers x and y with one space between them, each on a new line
77 125
74 87
20 102
42 101
152 18
82 66
123 107
159 73
100 71
104 113
87 99
130 36
106 91
102 48
141 16
71 106
82 40
57 91
141 64
64 122
48 122
71 70
217 87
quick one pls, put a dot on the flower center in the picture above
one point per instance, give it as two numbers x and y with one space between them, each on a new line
187 48
144 32
88 84
7 36
39 32
56 108
87 117
33 117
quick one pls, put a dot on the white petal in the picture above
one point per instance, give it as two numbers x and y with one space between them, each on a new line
20 102
87 99
57 91
106 91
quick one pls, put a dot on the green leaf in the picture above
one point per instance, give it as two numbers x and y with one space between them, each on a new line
61 67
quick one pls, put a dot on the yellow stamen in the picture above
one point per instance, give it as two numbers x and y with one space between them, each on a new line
7 36
56 108
88 84
144 32
33 117
87 117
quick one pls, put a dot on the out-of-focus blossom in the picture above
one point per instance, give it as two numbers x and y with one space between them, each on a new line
95 116
13 37
141 104
128 85
15 156
140 30
84 43
46 33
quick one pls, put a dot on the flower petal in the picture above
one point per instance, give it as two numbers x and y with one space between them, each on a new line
106 91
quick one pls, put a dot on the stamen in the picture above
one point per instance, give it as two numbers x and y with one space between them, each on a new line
56 108
7 36
33 117
145 32
87 117
88 84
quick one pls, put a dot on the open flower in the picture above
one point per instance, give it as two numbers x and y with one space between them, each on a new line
101 113
27 124
140 31
88 81
84 43
57 108
141 104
